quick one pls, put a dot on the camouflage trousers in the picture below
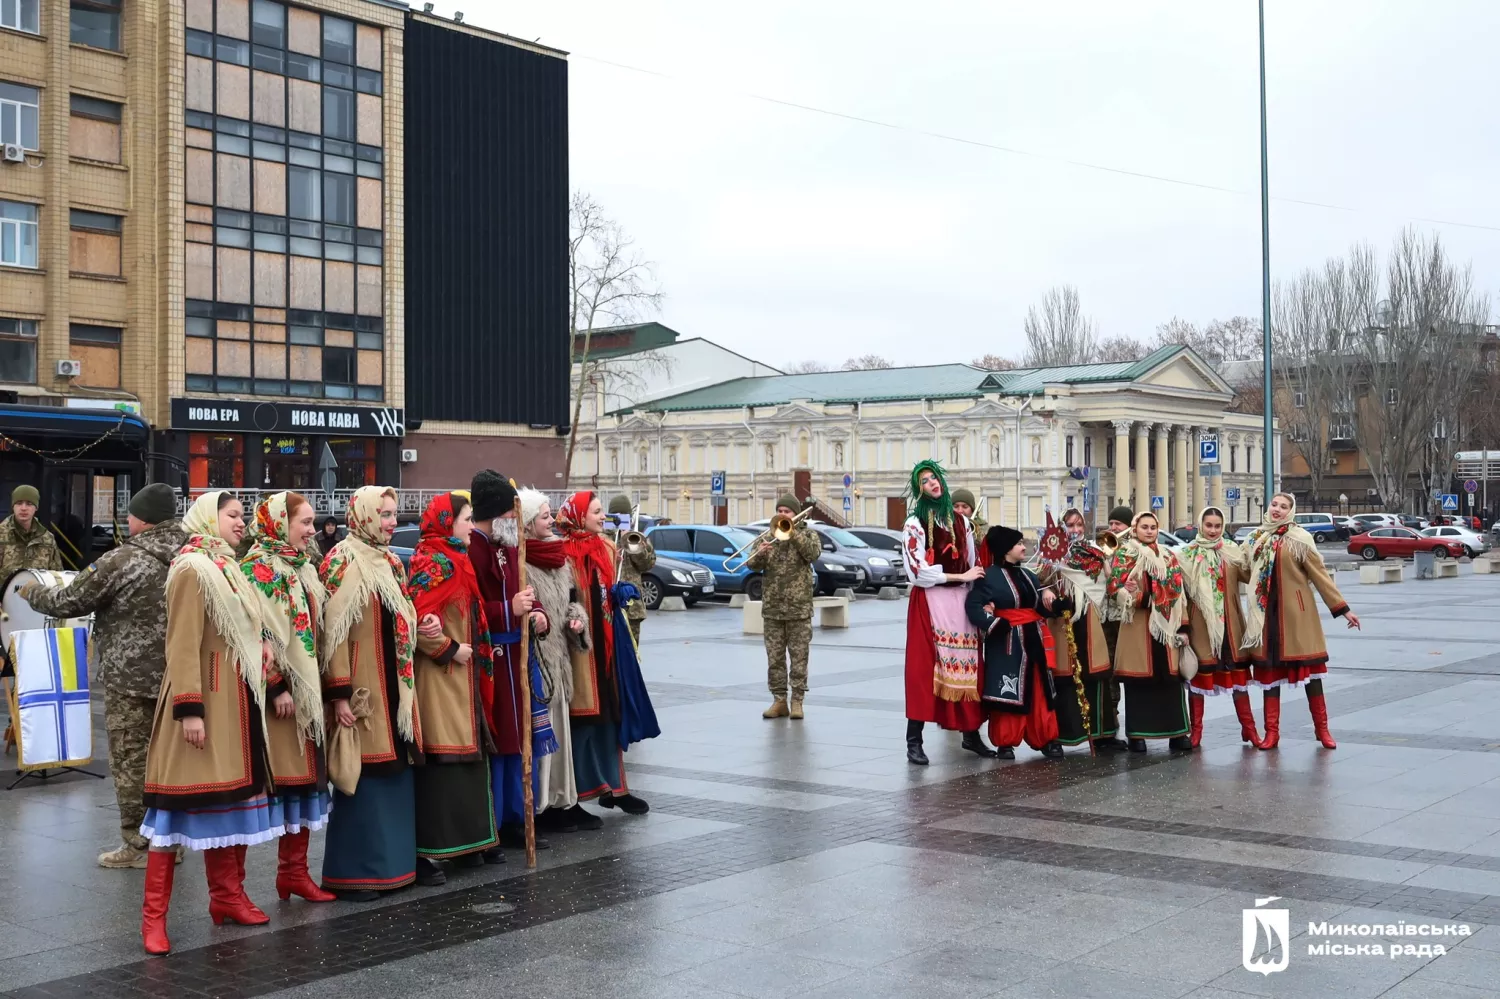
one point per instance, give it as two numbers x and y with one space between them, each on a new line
128 722
783 639
635 630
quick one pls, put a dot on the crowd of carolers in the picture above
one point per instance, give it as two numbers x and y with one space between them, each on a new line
1042 654
256 691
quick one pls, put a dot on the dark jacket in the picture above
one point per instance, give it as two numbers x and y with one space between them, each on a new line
1012 653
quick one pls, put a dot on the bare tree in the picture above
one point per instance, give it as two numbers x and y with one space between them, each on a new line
1235 339
806 367
1120 348
994 362
1058 332
610 283
866 362
1313 395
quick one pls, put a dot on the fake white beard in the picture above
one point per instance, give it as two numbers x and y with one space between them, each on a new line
505 531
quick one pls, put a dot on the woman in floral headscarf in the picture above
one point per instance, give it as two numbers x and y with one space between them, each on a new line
1282 626
369 641
1213 569
455 819
283 579
207 777
1147 590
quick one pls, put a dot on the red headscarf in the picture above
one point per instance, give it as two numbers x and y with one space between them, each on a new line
592 556
441 572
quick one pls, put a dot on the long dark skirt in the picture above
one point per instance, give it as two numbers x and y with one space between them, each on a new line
372 836
1102 724
455 815
598 764
1156 708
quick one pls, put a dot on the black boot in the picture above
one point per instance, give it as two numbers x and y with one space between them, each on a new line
584 818
1180 744
513 836
429 874
1137 745
914 752
627 803
1005 753
1110 744
557 821
974 744
1053 750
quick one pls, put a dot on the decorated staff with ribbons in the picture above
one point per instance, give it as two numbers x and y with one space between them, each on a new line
1213 568
1073 567
1282 627
1147 588
289 599
207 775
369 644
942 645
1009 607
455 817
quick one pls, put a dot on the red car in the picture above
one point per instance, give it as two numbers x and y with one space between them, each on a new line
1401 542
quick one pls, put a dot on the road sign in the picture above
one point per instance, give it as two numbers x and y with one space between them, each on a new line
1208 449
848 502
1450 501
1471 487
1471 499
1232 494
848 481
1157 502
716 486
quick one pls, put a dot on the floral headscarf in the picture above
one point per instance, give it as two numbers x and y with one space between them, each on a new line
1203 562
592 555
232 608
285 584
363 566
1135 558
441 573
1265 545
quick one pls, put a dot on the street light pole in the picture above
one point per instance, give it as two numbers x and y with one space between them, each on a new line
1268 450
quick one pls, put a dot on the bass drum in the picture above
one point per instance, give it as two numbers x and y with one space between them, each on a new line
18 615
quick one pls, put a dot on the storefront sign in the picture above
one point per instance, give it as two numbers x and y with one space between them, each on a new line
283 417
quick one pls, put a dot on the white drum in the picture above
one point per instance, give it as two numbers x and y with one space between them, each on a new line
18 615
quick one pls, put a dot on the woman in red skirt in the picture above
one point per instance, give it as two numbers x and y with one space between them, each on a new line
1213 568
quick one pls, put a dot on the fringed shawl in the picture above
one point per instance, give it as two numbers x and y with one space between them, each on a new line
1134 559
1266 544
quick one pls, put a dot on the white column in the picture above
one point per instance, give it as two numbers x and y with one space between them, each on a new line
1195 472
1142 499
1180 503
1163 474
1122 466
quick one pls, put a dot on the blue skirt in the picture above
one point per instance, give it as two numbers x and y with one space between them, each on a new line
598 764
372 837
237 823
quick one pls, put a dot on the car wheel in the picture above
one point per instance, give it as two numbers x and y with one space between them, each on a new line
1441 551
754 587
1368 553
651 590
1320 537
1469 552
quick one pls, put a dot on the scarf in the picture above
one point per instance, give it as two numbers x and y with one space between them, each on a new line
1265 545
1135 559
549 554
441 574
1203 565
363 566
284 584
592 557
933 513
232 607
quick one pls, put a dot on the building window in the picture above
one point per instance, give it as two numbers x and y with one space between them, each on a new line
1440 430
1249 458
338 372
216 461
995 456
1088 452
1234 453
1391 396
1109 453
18 350
1341 431
22 15
95 23
1299 400
356 462
95 244
94 129
1068 447
20 110
18 234
98 347
268 24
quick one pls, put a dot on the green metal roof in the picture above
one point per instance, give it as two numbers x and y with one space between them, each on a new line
617 341
937 381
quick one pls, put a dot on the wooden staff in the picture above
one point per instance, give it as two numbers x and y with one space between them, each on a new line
527 797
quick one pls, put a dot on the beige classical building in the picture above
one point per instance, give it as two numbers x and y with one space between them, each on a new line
1023 441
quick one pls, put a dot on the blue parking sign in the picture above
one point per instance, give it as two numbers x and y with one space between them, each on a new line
1232 494
716 483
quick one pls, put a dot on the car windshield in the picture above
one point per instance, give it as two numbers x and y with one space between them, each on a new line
738 535
845 538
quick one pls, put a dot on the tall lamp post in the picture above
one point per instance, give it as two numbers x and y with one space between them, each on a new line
1268 452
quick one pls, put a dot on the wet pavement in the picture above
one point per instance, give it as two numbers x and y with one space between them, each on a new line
810 859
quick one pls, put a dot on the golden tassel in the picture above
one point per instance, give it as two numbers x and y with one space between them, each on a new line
1083 697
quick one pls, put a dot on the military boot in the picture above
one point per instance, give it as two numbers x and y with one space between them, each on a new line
778 709
795 710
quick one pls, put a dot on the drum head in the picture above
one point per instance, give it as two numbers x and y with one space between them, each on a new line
18 615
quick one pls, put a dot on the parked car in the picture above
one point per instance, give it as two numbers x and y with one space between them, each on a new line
673 577
709 546
1370 521
1169 539
1243 534
1414 523
1401 542
881 567
880 537
1321 526
404 543
837 571
1348 524
1187 533
1474 543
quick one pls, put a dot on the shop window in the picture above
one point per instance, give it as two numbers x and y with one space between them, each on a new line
98 347
94 129
22 15
288 463
18 350
18 234
95 23
95 244
20 110
356 462
216 461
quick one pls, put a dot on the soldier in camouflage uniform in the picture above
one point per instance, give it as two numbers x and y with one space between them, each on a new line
631 566
786 609
125 590
963 502
24 542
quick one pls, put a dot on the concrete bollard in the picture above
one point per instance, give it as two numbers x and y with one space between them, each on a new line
672 604
1484 567
753 624
845 592
890 593
738 600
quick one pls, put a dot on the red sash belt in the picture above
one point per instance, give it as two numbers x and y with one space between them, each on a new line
1017 616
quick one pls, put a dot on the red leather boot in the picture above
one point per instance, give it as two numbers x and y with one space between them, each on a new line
292 877
1272 707
160 866
227 901
1246 715
1319 709
1195 719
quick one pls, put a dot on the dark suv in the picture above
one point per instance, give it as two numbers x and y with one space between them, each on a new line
882 567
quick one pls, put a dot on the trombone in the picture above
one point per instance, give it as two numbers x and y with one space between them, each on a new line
781 529
631 542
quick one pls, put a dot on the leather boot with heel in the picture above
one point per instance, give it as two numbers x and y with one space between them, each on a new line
1319 709
1272 709
1195 719
161 865
1246 715
227 901
292 877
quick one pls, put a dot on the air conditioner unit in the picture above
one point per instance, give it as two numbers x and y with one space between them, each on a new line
408 455
69 369
15 153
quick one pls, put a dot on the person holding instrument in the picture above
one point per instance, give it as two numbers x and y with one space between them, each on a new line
786 608
635 557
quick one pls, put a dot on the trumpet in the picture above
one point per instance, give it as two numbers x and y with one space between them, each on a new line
1107 540
781 529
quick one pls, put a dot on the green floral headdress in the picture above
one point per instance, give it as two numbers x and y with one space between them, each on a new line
924 507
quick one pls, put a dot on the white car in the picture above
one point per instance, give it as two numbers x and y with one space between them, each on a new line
1474 543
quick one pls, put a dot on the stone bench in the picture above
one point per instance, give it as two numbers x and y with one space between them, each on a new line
1445 568
1381 572
1485 567
833 612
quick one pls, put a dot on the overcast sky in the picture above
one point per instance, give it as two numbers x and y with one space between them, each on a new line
790 234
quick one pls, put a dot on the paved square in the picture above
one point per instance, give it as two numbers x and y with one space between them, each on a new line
810 859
